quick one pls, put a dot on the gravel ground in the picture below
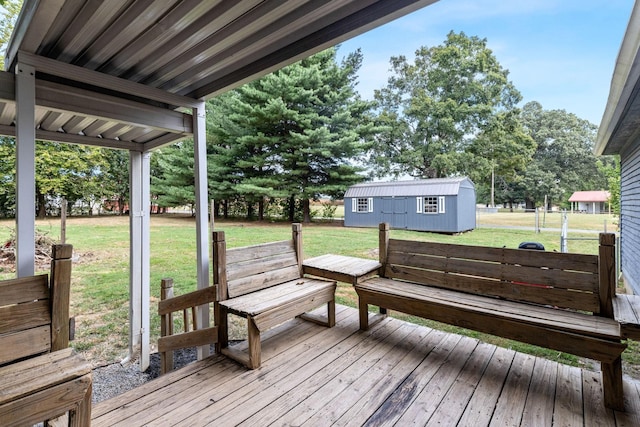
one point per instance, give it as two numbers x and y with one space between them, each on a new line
115 379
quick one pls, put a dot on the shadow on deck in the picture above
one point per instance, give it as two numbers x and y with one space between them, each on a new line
397 373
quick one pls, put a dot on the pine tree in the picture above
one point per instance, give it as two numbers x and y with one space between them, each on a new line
295 133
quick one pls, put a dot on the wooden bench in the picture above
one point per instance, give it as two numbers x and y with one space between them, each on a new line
265 284
40 376
553 300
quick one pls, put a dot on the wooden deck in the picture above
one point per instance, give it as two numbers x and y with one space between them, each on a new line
395 374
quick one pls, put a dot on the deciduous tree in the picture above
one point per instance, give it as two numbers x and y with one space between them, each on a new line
434 107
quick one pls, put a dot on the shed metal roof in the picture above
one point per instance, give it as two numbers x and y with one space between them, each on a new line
113 73
590 196
423 187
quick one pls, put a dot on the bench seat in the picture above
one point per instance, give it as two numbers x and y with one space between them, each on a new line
272 306
563 330
44 386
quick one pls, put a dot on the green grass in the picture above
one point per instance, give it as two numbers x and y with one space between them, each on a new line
100 285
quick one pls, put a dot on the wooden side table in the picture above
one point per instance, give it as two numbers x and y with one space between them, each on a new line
342 268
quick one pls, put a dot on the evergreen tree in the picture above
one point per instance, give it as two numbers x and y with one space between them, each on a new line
294 133
174 185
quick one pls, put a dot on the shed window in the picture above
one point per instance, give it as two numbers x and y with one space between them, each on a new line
430 204
362 204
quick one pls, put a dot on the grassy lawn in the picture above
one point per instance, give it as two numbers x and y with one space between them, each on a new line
100 286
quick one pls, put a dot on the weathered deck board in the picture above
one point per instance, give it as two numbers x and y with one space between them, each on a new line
626 309
395 374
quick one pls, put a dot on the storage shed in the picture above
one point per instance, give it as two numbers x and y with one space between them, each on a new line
443 205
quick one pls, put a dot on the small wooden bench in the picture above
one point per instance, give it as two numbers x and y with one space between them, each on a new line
552 300
40 376
265 284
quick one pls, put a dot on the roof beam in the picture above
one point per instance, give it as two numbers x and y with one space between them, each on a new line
95 78
65 98
70 138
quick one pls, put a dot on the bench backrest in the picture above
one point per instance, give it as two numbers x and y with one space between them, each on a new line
563 280
247 269
34 310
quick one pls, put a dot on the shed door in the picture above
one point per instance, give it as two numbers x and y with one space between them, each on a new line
394 211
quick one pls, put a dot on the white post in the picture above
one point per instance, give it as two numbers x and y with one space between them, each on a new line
139 279
564 233
25 170
202 231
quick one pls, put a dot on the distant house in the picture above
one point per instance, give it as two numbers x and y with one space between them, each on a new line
445 205
593 202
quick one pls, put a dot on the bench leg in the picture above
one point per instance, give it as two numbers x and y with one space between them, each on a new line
363 309
82 415
254 344
331 313
222 316
612 384
330 321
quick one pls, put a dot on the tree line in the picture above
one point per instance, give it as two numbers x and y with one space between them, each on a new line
304 132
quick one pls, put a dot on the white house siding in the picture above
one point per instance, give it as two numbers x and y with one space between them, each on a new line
630 217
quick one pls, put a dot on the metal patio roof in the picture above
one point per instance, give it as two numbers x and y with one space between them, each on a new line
114 73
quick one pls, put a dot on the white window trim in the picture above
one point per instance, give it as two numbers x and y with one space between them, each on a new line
441 204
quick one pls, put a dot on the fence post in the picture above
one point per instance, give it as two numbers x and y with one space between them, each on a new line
60 287
564 234
296 235
220 282
166 325
607 273
383 245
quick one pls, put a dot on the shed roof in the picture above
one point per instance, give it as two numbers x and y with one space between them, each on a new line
423 187
113 73
590 196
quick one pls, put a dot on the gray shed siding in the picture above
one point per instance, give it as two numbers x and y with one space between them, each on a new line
401 205
630 217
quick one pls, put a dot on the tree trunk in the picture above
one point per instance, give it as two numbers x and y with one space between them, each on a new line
42 209
306 211
225 208
292 208
261 209
249 210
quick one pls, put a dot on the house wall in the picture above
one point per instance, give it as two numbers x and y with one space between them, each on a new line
630 216
592 207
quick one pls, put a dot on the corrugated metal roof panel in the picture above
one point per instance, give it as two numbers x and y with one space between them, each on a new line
423 187
590 196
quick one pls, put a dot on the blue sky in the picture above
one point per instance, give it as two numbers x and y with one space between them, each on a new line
560 53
